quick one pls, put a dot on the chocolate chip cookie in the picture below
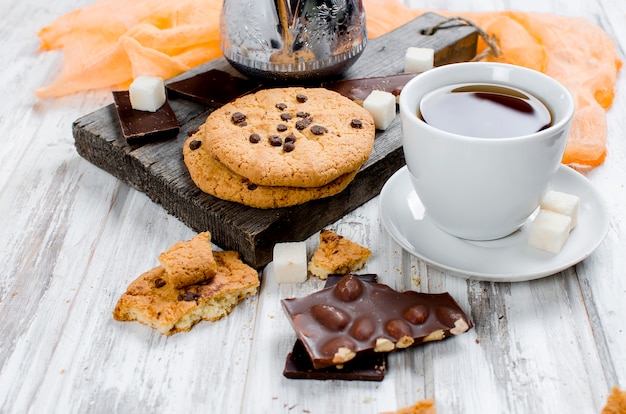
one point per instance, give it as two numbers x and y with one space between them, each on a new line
290 137
214 178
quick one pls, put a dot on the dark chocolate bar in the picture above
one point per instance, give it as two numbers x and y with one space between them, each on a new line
367 367
213 88
359 89
144 126
352 318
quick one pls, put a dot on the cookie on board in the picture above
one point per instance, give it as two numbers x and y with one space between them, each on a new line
152 301
290 137
214 178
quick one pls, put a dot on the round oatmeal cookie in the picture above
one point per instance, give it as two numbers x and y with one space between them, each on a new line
291 137
214 178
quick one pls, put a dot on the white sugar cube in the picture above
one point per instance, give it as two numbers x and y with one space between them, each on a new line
549 231
382 106
563 203
418 59
290 262
147 93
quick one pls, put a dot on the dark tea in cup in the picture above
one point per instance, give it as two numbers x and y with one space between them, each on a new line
484 111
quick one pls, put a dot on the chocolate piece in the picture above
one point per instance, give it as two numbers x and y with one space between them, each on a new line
318 130
213 88
143 126
275 141
359 89
356 123
255 138
352 318
367 367
303 123
238 117
333 279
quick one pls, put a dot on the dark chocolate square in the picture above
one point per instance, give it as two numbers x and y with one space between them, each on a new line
143 126
213 88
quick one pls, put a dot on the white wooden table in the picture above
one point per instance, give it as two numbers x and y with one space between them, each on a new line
73 237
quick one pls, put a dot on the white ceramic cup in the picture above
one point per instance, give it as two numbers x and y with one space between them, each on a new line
478 188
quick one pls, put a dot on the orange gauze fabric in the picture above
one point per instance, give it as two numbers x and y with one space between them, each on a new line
110 42
570 49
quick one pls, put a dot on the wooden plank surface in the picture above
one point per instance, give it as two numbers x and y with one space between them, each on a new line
158 169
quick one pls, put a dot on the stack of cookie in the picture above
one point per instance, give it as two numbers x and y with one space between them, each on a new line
280 147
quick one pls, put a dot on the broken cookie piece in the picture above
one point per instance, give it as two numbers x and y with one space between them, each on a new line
337 255
152 301
189 262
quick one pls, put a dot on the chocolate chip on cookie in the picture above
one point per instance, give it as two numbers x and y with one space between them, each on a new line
275 141
289 146
254 138
301 98
303 123
238 118
356 123
318 130
188 296
194 144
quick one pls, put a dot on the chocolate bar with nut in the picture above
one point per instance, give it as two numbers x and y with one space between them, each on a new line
339 323
367 367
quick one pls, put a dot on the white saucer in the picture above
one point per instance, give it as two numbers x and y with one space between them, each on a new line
509 259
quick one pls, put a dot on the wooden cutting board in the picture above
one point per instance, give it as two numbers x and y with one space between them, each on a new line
158 170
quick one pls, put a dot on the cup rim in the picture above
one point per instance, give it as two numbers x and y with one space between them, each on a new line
406 107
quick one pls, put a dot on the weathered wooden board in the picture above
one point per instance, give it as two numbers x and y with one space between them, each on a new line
158 169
